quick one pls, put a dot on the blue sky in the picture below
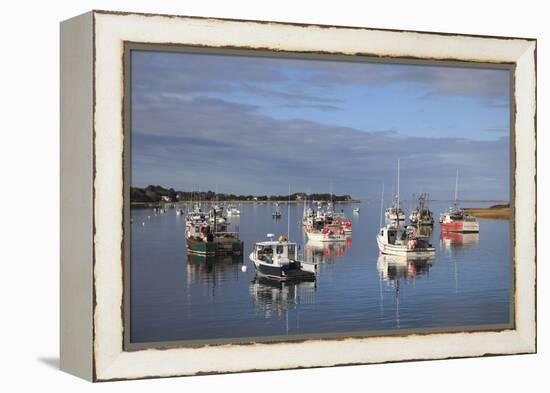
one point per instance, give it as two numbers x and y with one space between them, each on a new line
252 125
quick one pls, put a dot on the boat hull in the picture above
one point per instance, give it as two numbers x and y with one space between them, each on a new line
320 237
215 248
460 226
280 273
403 250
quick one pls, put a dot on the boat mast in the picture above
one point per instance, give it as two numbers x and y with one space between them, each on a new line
456 187
382 205
288 215
397 207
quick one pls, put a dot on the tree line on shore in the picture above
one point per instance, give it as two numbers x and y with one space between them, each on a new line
157 193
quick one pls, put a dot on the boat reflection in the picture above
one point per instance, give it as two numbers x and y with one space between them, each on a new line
325 252
392 268
211 270
273 297
456 240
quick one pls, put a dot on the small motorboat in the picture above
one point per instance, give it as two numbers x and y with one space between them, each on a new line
277 259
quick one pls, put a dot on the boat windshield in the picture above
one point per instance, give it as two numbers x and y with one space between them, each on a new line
265 253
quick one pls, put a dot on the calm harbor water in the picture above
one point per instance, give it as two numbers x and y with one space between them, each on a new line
175 297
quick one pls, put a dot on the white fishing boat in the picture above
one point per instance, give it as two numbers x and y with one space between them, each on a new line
324 235
308 216
395 213
394 239
402 241
196 216
277 259
340 224
217 215
232 211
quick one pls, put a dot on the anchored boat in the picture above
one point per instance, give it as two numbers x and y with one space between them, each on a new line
277 212
232 211
455 219
277 259
395 213
394 239
402 241
422 215
325 235
207 239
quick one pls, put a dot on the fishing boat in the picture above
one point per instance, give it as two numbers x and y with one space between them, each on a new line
308 216
207 239
395 239
218 215
394 213
402 241
277 212
421 215
456 219
277 259
232 211
325 234
196 216
340 223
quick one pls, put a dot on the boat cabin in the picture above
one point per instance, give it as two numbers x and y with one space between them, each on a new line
275 252
393 235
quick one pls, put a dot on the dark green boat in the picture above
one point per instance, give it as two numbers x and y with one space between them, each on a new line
206 240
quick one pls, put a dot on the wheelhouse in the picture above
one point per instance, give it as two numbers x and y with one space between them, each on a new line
274 252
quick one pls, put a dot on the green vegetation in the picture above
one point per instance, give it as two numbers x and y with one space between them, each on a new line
155 194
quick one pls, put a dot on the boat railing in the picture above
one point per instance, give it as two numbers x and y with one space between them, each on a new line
223 233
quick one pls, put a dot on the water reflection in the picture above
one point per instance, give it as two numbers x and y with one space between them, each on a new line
325 252
392 269
456 240
181 297
212 270
273 297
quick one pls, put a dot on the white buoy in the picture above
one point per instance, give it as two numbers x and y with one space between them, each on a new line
243 268
143 223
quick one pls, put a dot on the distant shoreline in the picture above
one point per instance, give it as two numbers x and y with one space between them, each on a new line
497 212
233 202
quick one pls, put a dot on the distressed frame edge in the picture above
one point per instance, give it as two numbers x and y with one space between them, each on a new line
526 339
76 204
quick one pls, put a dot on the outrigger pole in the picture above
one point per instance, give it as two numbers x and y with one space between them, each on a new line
288 216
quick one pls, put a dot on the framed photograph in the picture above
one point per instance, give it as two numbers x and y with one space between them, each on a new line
247 195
